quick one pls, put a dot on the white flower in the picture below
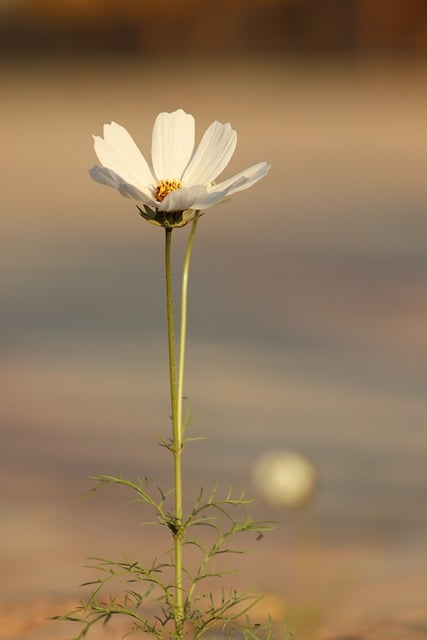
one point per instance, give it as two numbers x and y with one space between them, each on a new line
180 183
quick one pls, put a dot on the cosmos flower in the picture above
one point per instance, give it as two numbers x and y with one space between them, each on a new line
180 183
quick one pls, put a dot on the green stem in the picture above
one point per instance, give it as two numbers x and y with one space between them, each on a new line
171 333
176 530
183 331
176 393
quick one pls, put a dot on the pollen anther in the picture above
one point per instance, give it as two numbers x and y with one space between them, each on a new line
166 186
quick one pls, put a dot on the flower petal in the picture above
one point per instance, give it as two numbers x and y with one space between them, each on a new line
122 142
130 191
172 144
183 198
210 199
212 155
103 175
250 176
118 152
239 182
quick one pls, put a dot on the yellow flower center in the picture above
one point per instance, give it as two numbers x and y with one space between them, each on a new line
166 186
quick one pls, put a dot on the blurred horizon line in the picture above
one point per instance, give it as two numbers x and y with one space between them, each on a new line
291 27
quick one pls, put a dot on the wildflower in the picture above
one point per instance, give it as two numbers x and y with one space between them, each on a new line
180 183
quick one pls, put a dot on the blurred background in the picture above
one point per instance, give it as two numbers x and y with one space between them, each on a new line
308 302
299 27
